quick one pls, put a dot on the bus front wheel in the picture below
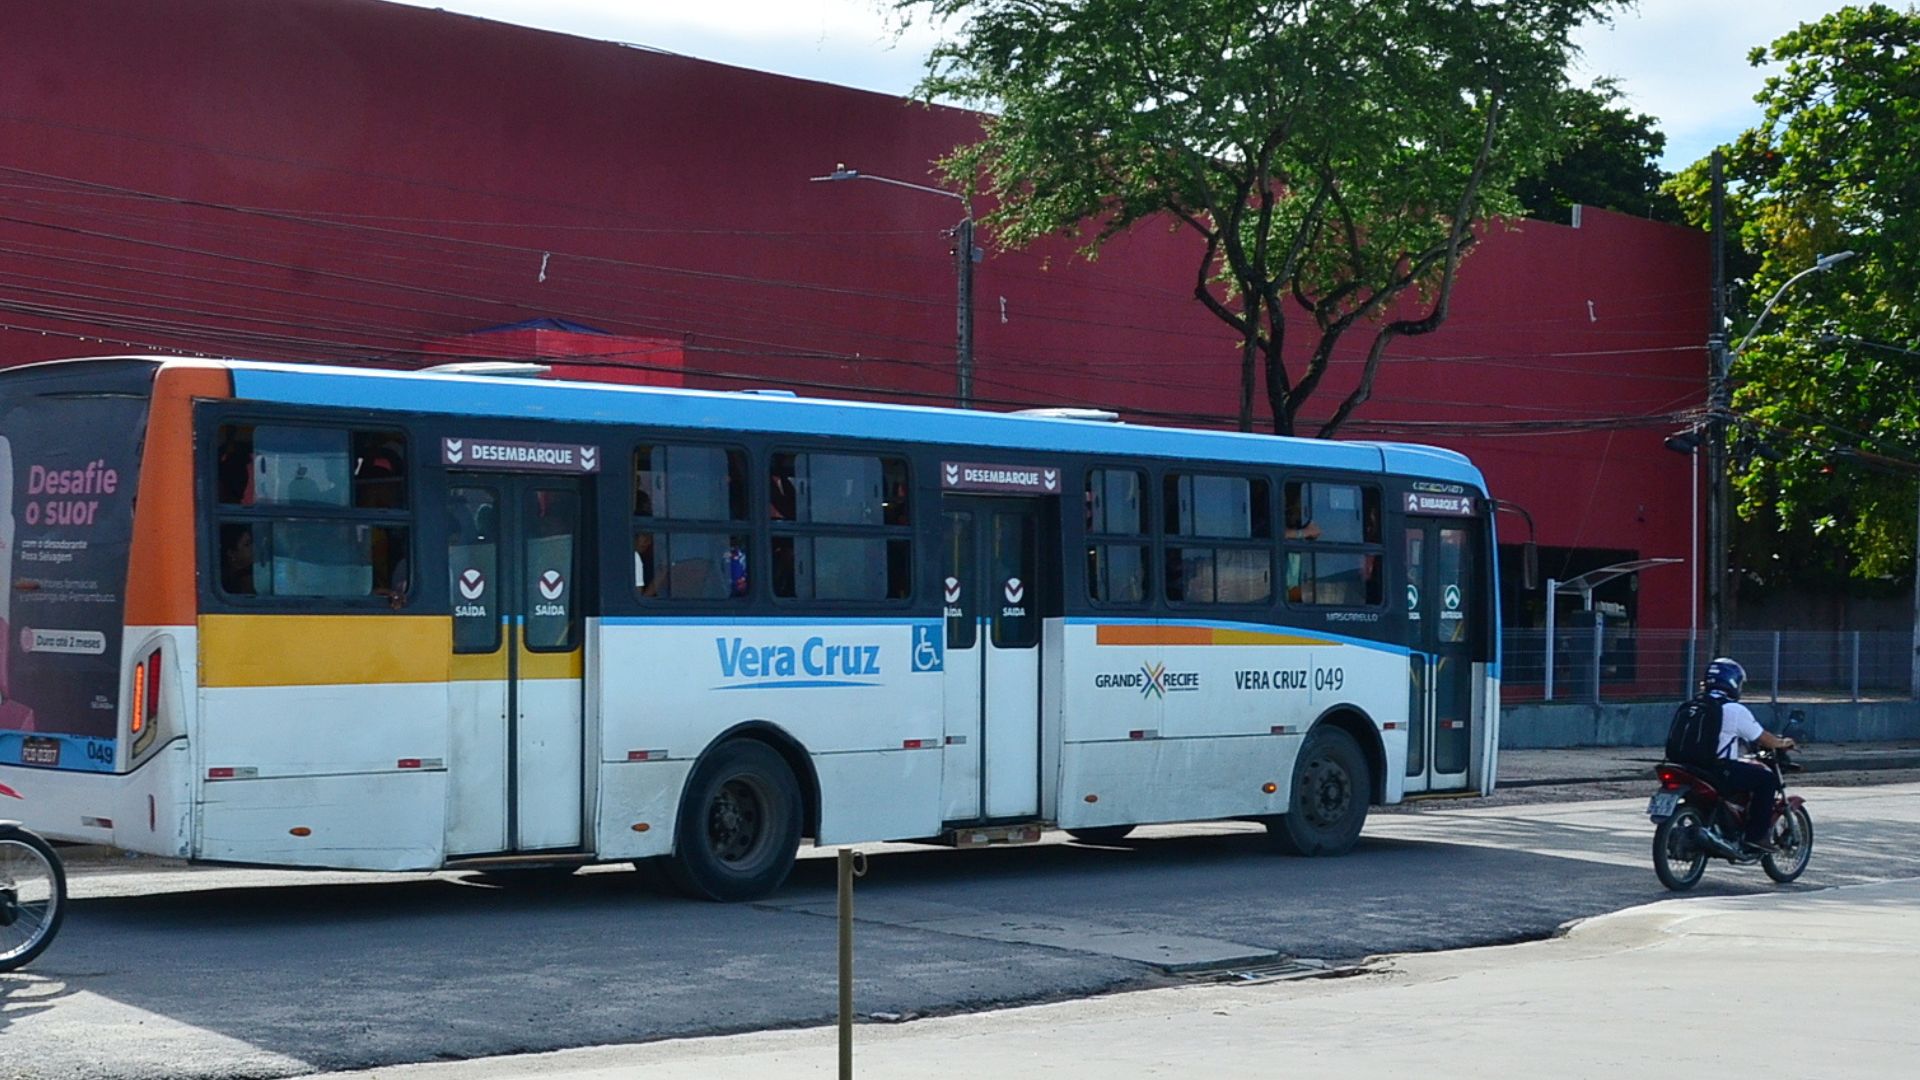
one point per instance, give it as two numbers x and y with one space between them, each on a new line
739 825
1328 802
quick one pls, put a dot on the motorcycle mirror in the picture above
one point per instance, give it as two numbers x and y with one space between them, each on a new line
1796 728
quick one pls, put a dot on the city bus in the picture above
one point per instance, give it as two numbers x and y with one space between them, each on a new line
289 615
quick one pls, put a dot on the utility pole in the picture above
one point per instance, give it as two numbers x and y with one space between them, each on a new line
963 249
1719 406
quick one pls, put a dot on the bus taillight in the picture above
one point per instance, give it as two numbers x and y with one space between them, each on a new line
139 723
152 684
146 699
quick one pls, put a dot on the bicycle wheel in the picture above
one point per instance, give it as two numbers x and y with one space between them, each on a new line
33 896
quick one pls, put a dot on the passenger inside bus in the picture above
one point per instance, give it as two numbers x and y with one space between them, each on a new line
236 559
645 578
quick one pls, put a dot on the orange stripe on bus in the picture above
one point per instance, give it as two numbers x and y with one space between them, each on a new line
1153 635
160 564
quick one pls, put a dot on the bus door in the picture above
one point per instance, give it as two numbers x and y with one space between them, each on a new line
991 570
516 563
1440 588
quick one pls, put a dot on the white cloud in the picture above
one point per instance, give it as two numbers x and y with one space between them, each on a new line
1685 62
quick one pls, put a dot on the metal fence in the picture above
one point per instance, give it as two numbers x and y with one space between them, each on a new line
1606 663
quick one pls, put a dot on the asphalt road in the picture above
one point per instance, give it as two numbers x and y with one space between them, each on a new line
168 972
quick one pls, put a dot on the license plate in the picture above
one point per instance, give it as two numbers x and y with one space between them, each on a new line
1662 805
39 751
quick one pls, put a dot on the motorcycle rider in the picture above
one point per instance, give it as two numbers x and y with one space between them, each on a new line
1739 733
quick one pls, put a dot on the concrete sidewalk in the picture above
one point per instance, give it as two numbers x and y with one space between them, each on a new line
1822 982
1596 764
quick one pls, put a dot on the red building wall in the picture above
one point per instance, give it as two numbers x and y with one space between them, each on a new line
354 181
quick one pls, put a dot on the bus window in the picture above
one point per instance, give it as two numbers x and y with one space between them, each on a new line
1333 513
342 560
840 568
379 470
684 500
842 527
1116 530
312 512
1324 515
1213 509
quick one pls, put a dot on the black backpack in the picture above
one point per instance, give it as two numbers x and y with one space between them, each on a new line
1694 736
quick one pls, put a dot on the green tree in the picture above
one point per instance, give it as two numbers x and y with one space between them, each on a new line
1610 159
1829 387
1337 157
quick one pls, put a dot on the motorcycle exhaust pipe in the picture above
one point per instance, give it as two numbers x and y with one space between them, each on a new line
1710 838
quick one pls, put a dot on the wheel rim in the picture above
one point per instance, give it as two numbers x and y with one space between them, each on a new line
737 821
1326 792
1789 836
1683 855
28 898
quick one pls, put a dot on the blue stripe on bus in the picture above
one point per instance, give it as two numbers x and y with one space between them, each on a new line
541 399
823 619
76 753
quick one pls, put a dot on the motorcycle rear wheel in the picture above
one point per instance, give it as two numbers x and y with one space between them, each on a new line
33 896
1679 860
1793 835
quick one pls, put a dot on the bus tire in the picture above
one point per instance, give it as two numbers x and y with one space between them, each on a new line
1328 802
739 826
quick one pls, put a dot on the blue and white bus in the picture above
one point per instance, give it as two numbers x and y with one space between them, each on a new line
304 616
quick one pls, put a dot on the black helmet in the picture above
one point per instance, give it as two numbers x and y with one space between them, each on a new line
1727 677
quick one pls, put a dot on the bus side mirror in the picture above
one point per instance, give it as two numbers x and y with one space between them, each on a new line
1530 565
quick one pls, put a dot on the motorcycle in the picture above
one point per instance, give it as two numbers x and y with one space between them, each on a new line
33 895
1697 822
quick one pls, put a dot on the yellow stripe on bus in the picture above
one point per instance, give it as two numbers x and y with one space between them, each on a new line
347 650
323 650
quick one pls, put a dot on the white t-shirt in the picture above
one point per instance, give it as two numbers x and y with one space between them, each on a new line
1738 730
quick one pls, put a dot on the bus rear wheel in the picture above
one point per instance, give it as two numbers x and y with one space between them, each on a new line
1328 802
739 825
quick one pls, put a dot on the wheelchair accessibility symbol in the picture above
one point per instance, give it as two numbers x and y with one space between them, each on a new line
929 647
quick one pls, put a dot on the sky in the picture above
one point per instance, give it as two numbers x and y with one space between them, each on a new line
1682 61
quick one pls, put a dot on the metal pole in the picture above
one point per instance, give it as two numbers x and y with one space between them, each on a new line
846 964
1776 667
963 234
1913 683
1693 665
1599 621
1553 586
1856 665
1693 554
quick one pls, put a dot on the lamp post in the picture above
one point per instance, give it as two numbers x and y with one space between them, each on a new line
1720 493
965 254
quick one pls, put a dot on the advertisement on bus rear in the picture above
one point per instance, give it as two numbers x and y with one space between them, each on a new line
67 468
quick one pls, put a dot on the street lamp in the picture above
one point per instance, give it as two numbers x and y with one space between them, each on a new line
963 251
1721 494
